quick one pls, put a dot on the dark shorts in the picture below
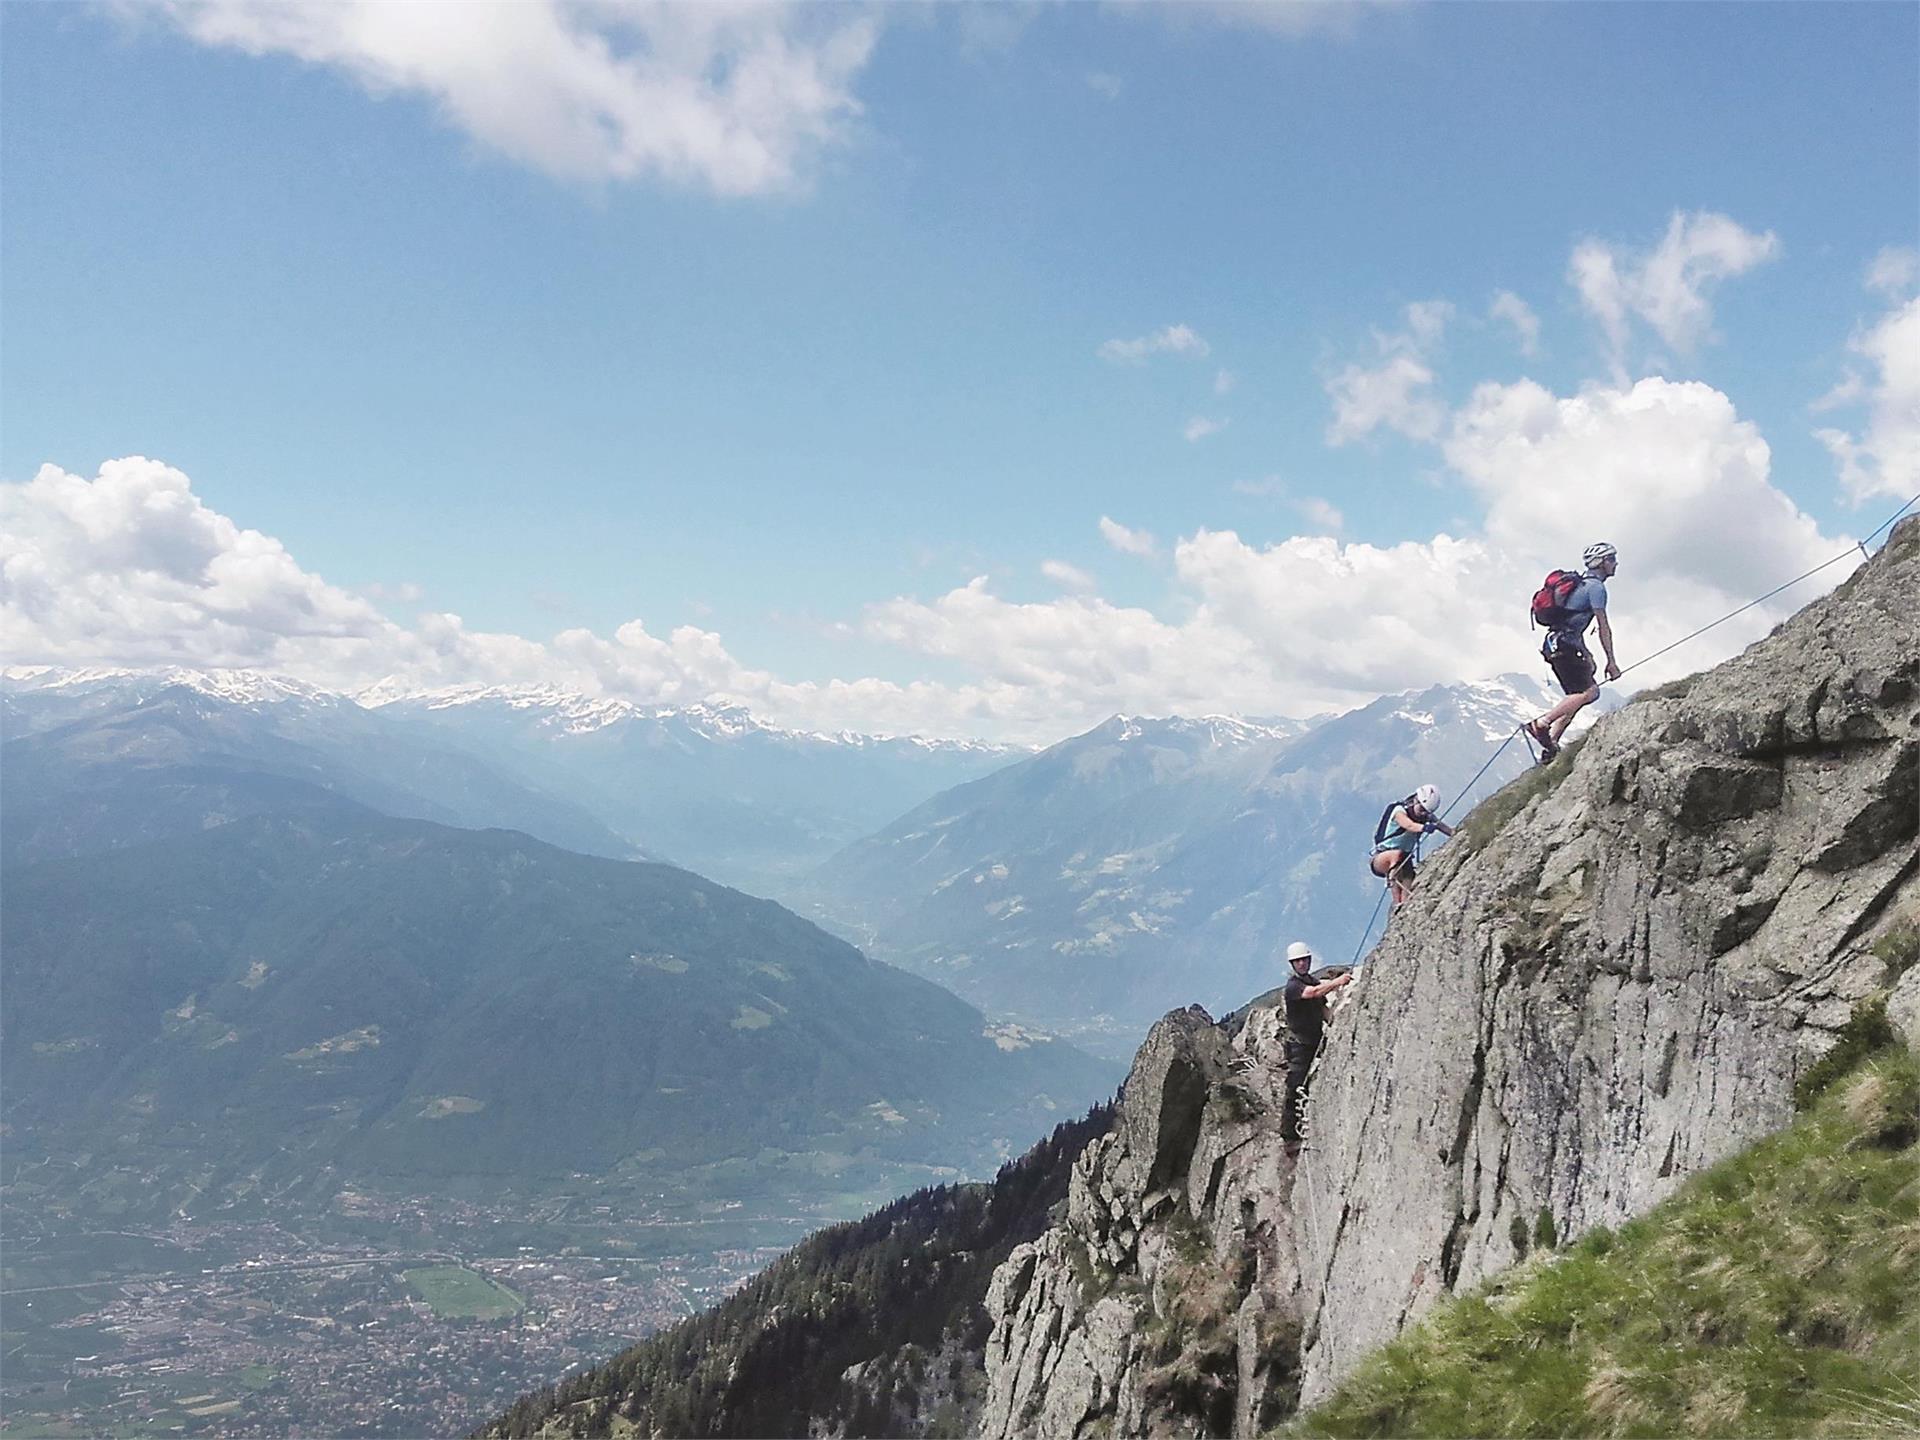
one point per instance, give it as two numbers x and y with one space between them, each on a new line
1572 667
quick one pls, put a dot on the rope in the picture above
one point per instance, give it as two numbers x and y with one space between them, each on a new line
1482 771
1369 930
1846 554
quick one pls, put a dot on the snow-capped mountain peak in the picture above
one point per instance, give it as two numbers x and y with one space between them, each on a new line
234 687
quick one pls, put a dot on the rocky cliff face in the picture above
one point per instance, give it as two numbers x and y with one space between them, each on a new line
1610 980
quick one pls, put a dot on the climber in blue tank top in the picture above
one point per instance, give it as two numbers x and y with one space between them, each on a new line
1398 836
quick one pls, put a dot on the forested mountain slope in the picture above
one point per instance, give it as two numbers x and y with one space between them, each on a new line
343 996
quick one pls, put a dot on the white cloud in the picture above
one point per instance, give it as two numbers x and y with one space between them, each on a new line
1397 393
1103 82
1666 288
1127 542
131 567
1510 308
1665 470
1850 390
1223 382
1067 577
1168 340
739 98
1885 458
1894 271
1200 427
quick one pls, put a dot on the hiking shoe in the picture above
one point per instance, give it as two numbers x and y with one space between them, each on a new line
1540 737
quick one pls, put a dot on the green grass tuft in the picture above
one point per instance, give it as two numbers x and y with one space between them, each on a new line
1672 690
1777 1294
1867 1031
1490 816
1546 1235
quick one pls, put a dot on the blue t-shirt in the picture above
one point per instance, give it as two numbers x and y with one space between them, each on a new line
1585 603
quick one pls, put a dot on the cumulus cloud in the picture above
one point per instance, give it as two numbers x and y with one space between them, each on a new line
1666 470
1397 392
1168 340
1200 427
130 567
1667 287
1884 458
1512 310
739 98
1223 382
1127 542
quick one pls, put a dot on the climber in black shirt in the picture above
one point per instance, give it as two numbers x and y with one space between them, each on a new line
1306 1005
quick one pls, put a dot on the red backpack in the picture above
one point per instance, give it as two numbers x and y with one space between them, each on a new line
1550 600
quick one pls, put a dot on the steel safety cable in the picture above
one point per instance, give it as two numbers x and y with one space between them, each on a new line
1788 585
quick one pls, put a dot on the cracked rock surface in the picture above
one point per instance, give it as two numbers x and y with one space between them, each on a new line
1620 986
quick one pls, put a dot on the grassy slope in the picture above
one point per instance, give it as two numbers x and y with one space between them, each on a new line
1776 1294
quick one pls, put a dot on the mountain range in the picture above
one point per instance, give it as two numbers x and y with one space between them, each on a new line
1081 889
711 787
1148 863
97 759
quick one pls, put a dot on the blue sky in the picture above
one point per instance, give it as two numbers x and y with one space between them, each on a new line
363 314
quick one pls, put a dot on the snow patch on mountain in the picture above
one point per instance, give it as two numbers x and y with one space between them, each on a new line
235 687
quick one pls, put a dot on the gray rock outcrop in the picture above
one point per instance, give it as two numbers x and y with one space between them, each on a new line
1155 1306
1609 981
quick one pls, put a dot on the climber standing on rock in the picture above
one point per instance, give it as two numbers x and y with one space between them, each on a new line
1306 1004
1566 604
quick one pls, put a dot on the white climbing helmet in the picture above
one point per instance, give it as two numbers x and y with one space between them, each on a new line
1298 951
1427 797
1598 551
